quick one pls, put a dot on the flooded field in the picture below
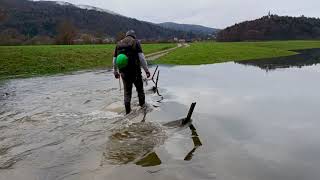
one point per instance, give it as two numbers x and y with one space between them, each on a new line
254 120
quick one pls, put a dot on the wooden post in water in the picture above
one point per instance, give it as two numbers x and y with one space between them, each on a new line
188 118
157 80
155 88
154 73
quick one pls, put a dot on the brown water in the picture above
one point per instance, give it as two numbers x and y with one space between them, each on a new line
249 124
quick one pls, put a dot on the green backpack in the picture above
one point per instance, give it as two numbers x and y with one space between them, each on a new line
122 61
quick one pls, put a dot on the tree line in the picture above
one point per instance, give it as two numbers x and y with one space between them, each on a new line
273 27
31 21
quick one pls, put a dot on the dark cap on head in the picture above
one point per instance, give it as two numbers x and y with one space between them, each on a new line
131 33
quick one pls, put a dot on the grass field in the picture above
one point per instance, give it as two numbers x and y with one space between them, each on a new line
26 61
217 52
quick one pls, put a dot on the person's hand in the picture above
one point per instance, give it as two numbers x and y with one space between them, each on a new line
116 75
148 74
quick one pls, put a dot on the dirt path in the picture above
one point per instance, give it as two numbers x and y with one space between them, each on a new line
157 55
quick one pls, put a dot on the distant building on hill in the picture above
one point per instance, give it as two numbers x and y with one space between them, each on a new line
269 14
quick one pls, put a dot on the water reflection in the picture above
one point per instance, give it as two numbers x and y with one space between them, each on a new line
196 142
136 143
307 57
152 159
149 160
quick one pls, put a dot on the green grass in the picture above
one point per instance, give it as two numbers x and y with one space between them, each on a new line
26 61
217 52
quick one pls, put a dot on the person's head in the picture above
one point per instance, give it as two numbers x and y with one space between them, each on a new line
131 33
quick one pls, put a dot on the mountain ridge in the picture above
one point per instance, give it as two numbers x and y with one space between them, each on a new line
194 28
32 18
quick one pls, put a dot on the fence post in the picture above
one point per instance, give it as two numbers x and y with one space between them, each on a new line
188 118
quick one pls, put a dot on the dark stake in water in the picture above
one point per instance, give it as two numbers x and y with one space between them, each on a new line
248 124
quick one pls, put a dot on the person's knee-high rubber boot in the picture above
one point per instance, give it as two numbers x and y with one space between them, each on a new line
142 101
128 107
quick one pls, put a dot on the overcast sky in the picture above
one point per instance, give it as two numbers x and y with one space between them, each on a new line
212 13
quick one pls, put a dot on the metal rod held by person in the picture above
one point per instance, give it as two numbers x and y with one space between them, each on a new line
120 83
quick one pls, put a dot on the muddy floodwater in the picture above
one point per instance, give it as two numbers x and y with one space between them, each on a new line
254 120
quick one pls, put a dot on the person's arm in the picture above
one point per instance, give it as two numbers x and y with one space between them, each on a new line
142 58
114 63
115 68
143 62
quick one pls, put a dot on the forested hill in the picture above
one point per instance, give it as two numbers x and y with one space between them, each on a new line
273 27
196 29
31 18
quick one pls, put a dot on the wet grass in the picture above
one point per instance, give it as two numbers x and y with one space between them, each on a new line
26 61
217 52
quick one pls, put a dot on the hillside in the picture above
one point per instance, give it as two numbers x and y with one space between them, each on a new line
43 18
196 29
273 27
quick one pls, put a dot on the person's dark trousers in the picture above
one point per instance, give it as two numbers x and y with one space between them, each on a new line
127 84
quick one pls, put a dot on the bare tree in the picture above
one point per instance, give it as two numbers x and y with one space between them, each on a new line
66 33
11 37
87 38
3 15
40 39
120 36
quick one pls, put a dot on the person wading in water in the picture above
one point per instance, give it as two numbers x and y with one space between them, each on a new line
127 62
